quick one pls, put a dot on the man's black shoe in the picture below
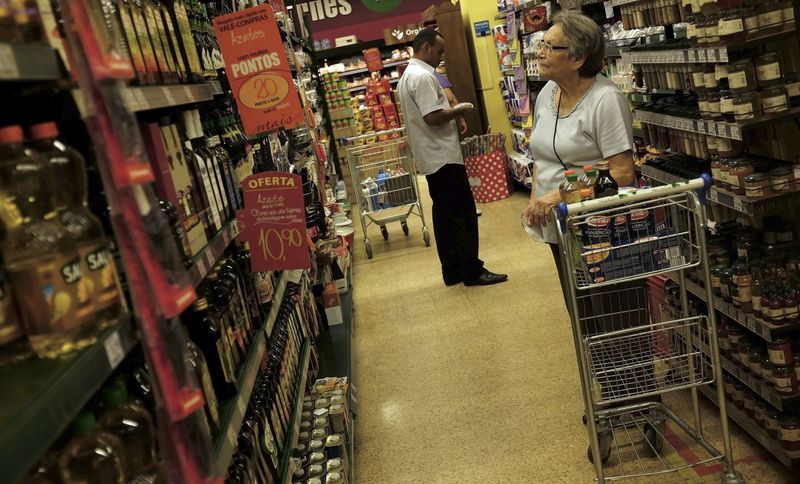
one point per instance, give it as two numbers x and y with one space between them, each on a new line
452 282
487 279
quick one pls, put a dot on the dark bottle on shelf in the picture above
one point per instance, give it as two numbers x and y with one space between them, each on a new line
223 186
173 41
148 10
132 41
177 230
196 362
250 449
246 466
153 10
259 411
219 295
605 185
242 260
93 455
248 299
186 41
136 13
201 179
83 227
262 437
204 330
231 282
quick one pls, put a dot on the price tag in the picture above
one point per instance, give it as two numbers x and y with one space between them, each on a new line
228 234
113 347
723 55
701 55
735 132
712 55
737 204
8 63
168 95
209 258
712 129
692 56
187 92
202 268
712 195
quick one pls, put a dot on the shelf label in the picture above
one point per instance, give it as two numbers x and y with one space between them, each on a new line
8 63
168 96
113 347
187 91
737 204
735 132
202 268
692 55
712 128
712 195
712 55
701 55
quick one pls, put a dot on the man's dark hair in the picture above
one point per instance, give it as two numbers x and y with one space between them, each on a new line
425 36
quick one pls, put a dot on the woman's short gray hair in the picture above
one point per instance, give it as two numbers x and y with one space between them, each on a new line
584 40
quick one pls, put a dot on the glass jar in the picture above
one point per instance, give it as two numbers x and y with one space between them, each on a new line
714 108
772 308
793 89
751 26
760 413
747 106
730 27
749 403
743 281
739 170
787 7
771 423
698 79
692 24
779 179
757 185
790 311
743 348
702 103
774 100
770 18
723 339
738 394
742 76
784 379
725 284
726 105
789 432
724 173
711 146
768 69
780 352
712 30
767 371
755 362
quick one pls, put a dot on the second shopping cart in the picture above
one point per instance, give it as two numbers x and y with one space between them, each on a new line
385 183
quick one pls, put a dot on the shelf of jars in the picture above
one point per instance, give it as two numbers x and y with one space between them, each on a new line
146 98
205 260
23 62
699 126
286 469
740 203
42 396
753 428
768 331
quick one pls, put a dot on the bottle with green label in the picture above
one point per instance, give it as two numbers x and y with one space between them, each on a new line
85 230
133 425
93 455
53 296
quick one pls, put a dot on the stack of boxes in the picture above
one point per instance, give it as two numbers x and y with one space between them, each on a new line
322 454
340 109
382 109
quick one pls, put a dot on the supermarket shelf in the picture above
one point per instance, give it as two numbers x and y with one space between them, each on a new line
646 97
147 98
750 426
216 88
232 411
204 261
363 70
28 63
739 203
277 299
700 126
285 475
42 397
364 87
767 331
695 56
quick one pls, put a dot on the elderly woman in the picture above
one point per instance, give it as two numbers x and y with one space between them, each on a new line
580 118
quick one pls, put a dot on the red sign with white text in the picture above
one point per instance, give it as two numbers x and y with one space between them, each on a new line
274 222
258 71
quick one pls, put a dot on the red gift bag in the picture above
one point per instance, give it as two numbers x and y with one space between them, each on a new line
488 177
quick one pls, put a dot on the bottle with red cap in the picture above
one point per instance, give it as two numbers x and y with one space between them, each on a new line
85 230
53 296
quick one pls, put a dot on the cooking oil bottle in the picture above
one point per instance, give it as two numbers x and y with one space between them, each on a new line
85 230
93 455
53 297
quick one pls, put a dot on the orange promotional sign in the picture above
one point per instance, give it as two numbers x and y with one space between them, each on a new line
258 71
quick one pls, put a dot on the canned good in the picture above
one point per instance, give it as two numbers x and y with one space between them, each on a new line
316 470
321 423
334 444
319 434
316 458
338 419
316 445
334 478
335 465
322 403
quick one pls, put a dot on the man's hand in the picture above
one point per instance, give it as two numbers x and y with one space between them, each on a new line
537 213
462 125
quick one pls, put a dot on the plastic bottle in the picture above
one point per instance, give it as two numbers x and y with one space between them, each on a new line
570 190
93 455
85 230
133 425
53 296
588 178
562 186
586 194
605 185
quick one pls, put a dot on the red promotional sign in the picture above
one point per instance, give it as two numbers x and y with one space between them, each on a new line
274 222
258 71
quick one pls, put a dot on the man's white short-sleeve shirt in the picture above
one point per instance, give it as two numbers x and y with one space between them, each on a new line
421 94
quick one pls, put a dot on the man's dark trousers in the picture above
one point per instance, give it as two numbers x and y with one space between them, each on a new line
455 223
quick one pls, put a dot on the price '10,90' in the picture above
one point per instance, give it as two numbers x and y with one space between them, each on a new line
273 242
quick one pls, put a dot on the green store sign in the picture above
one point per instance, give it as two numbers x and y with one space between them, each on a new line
382 6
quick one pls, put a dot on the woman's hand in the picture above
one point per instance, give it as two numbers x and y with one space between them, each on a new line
537 212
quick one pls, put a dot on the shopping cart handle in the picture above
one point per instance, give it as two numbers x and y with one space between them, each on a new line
701 185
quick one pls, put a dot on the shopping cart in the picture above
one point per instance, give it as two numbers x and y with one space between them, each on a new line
385 182
626 358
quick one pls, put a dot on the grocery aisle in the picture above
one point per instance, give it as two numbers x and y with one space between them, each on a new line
477 384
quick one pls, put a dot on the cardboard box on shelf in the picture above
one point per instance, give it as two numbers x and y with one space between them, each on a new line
332 303
389 110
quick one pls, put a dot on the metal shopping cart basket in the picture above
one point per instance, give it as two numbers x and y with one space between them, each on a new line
626 358
385 182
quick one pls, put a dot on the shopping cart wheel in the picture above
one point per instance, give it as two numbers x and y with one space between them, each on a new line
426 236
368 246
606 439
652 441
385 233
405 227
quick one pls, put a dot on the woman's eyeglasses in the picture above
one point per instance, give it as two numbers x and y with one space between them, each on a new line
548 48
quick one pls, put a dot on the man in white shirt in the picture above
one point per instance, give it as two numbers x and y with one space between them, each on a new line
433 135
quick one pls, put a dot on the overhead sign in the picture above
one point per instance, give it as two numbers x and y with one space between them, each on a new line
258 71
482 28
401 33
274 222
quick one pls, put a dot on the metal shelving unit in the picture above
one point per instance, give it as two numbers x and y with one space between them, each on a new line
19 62
286 471
42 396
146 98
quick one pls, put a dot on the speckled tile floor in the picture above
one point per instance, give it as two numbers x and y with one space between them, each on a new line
479 384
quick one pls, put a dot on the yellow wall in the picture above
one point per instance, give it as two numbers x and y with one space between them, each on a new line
485 65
